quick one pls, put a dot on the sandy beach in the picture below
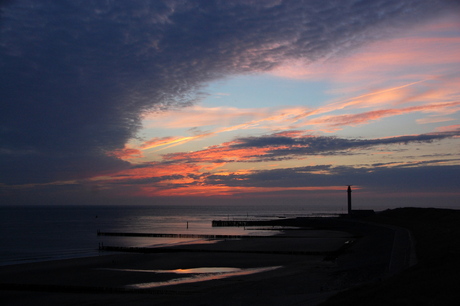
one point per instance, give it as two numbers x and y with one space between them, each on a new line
304 268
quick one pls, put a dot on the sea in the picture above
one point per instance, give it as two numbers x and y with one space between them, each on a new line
42 233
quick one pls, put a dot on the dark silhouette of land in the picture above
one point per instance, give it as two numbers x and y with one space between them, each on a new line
364 260
434 279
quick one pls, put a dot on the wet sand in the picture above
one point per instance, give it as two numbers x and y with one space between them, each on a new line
287 279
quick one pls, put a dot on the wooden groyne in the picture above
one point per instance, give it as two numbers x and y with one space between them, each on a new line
329 255
147 250
242 223
230 223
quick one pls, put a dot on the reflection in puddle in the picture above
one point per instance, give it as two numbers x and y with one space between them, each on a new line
184 271
198 275
201 270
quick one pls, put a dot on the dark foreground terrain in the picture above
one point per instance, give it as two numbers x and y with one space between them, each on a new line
434 280
333 261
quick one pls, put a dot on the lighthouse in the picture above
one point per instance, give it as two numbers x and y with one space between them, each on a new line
349 199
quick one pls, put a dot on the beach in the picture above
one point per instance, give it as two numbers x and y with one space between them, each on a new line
305 267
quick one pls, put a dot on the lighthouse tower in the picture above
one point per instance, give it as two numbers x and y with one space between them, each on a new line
349 199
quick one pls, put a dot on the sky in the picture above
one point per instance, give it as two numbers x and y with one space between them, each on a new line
230 102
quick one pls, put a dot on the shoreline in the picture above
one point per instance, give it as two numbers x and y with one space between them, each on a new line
312 277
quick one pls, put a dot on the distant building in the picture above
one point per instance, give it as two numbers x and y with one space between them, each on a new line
357 212
349 199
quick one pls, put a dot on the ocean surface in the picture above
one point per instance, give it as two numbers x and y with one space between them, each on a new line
40 233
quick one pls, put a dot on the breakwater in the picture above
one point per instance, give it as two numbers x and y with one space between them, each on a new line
230 223
242 223
302 222
328 255
190 250
163 235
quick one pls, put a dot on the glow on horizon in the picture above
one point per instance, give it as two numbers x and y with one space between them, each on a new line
213 191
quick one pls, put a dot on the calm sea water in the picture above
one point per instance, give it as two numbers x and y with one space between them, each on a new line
40 233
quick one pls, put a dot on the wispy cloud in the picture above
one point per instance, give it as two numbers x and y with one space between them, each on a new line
410 53
363 118
293 144
315 118
200 116
78 77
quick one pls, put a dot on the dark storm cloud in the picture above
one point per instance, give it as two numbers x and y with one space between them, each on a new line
275 147
283 146
77 75
428 178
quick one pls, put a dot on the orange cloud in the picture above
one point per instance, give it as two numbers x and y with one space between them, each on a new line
376 97
126 153
157 142
212 166
219 153
157 170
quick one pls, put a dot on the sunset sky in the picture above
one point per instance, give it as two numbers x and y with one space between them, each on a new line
230 102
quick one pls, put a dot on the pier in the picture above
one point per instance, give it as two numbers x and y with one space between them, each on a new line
162 235
203 236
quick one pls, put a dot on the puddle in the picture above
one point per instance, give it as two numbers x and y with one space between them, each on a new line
185 271
202 270
196 275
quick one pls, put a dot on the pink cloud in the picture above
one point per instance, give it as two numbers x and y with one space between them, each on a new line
410 53
198 116
365 117
448 128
